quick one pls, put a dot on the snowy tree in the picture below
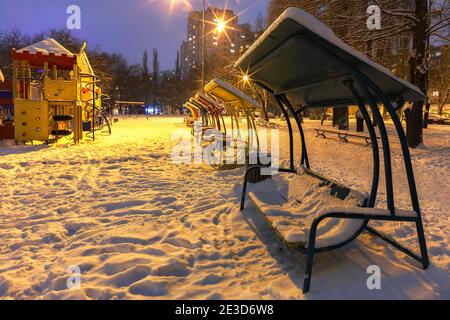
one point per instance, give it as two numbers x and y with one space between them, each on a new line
155 77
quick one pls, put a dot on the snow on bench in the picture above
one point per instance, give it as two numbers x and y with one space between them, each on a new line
291 206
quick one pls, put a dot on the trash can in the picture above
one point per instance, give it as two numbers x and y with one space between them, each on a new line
255 175
87 126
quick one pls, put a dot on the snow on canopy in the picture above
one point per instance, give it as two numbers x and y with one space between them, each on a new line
229 94
295 21
207 98
46 47
83 62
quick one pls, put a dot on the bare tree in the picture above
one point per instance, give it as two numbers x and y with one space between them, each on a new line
155 77
145 76
440 77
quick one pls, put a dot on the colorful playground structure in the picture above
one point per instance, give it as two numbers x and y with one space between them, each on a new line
53 94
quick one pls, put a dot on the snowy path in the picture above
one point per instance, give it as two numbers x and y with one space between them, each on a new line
140 226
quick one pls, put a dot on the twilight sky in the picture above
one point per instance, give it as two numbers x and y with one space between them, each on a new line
122 26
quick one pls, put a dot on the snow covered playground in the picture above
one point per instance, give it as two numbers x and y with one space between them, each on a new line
139 226
94 204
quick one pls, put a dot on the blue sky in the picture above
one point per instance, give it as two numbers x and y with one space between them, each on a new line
122 26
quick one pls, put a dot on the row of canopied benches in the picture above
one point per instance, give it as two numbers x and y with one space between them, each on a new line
301 62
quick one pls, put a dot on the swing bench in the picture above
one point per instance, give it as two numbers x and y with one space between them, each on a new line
300 60
236 102
201 120
195 114
215 112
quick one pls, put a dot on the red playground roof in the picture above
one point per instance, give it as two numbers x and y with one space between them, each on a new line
46 51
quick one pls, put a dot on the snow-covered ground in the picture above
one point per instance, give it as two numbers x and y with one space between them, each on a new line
139 226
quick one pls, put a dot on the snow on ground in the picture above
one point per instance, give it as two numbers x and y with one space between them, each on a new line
139 226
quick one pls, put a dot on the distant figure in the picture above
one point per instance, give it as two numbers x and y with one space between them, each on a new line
359 121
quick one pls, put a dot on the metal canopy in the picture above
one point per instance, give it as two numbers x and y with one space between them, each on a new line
301 57
203 98
193 108
229 94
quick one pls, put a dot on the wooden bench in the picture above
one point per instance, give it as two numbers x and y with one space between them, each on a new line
343 135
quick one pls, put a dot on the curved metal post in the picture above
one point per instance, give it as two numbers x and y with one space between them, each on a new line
409 172
304 159
291 137
252 128
385 142
223 122
404 145
374 141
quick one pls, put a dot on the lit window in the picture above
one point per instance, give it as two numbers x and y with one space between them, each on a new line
232 45
232 51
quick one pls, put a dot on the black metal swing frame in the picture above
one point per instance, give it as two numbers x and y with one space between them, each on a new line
363 90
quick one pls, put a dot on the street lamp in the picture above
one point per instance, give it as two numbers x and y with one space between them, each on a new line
203 46
220 26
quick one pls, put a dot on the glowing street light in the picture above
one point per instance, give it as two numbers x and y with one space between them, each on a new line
221 25
186 3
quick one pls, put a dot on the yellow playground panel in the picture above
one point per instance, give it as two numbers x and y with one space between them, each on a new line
53 91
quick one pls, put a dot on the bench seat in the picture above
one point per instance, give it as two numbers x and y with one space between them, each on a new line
290 204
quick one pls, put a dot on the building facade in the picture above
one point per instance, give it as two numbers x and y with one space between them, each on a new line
221 47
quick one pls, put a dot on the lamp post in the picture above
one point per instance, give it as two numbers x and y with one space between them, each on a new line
203 47
220 27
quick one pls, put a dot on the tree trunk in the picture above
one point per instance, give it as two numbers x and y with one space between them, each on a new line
443 102
418 75
427 114
340 118
263 102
